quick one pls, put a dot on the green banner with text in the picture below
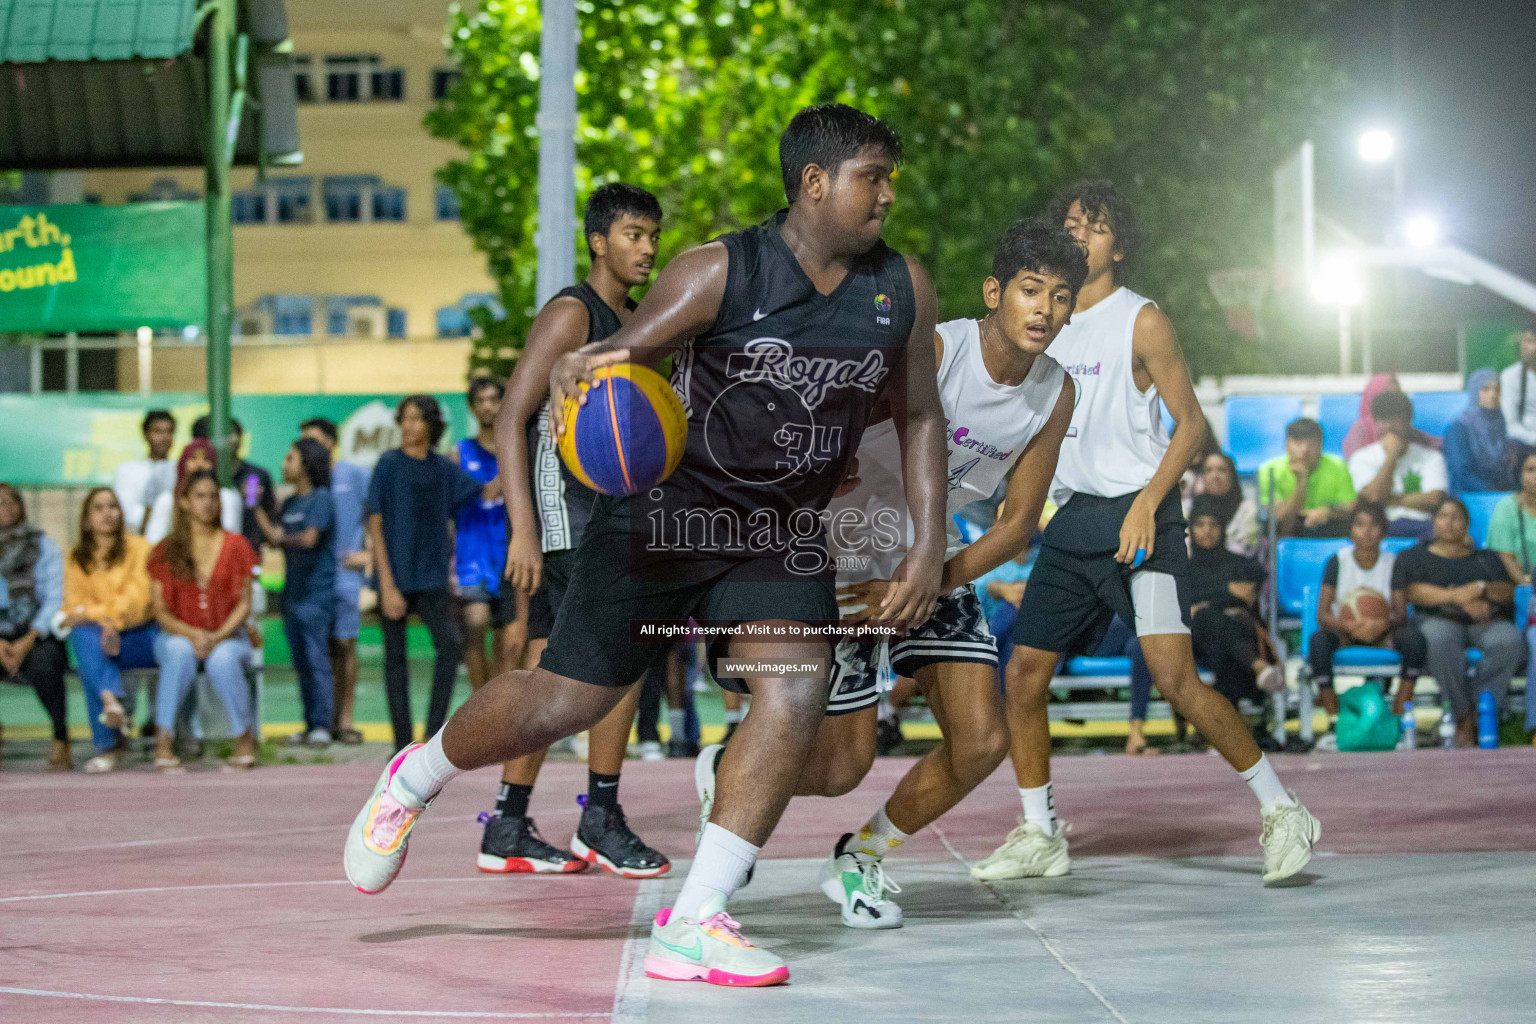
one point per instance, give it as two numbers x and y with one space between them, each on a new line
101 268
57 440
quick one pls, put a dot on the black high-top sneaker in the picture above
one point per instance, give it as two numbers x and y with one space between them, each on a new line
605 838
514 845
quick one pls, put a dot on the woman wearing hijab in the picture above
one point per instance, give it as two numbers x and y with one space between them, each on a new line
198 454
1239 514
1364 431
1223 591
1477 452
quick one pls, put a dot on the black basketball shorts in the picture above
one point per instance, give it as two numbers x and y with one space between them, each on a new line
608 590
956 631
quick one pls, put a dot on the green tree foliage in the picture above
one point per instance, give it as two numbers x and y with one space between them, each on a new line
1186 105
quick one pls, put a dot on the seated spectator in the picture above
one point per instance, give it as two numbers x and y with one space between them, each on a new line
1462 599
31 593
1218 479
1397 471
1366 430
1512 533
1311 494
1223 591
201 592
1357 606
1478 456
252 483
305 531
197 455
1517 396
106 609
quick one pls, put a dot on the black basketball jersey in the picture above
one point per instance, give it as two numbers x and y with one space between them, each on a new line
777 393
562 502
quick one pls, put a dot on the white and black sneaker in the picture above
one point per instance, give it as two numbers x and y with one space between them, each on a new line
857 883
604 838
513 845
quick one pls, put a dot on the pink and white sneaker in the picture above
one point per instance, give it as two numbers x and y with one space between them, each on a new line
375 849
710 950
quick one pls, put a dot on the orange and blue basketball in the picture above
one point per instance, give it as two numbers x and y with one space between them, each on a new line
629 436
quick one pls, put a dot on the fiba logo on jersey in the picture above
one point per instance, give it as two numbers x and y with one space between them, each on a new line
882 310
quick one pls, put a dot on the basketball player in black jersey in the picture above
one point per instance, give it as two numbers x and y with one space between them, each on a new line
783 336
548 508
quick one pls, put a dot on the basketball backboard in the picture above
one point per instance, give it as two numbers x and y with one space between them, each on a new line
1295 221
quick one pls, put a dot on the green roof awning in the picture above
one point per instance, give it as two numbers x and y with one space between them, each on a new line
119 83
37 30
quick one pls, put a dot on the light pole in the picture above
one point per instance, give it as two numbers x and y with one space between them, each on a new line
1338 284
556 121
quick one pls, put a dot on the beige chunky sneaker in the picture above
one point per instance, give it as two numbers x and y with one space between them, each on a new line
1028 852
1288 836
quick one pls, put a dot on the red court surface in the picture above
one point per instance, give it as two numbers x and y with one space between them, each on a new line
219 897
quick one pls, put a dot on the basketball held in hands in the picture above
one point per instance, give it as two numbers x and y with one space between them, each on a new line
630 434
1364 612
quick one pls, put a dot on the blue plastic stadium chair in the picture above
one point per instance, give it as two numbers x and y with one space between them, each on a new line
1299 566
1256 427
1480 506
1090 666
1337 413
1433 411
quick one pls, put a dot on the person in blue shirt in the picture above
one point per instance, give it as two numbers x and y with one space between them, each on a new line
1478 453
349 486
413 498
305 530
480 550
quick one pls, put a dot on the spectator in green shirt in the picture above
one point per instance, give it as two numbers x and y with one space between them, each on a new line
1512 528
1312 493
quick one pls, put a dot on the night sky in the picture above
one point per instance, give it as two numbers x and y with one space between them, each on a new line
1466 126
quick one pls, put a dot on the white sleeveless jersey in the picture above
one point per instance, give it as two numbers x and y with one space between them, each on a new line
1117 438
988 426
1352 577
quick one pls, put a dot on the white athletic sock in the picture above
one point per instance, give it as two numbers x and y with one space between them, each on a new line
1266 785
1040 807
732 716
427 769
878 836
720 866
677 724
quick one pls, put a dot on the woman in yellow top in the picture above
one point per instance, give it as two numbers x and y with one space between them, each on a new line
106 609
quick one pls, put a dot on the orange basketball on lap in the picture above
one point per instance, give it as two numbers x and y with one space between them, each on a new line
1364 610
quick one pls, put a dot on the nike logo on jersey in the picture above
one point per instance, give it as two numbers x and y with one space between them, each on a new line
757 315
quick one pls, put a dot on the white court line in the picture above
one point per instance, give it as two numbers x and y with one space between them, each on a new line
208 1004
1050 947
338 828
632 991
220 885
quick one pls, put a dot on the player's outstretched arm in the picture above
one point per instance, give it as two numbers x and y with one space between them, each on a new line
919 417
1155 351
560 328
1027 491
684 302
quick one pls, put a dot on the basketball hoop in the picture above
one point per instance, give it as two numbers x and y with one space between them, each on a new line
1241 293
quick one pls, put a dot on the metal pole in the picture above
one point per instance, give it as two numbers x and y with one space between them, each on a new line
221 278
71 362
556 122
1367 340
1344 341
146 366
